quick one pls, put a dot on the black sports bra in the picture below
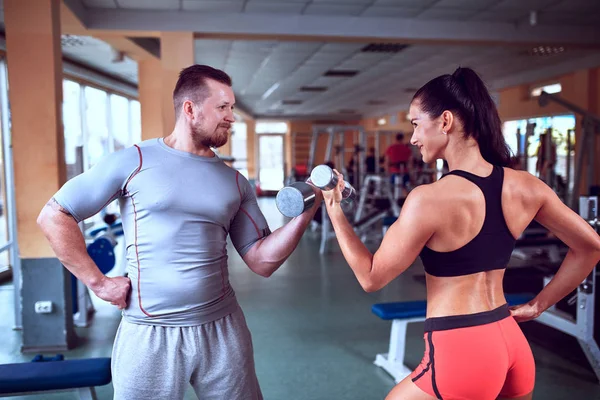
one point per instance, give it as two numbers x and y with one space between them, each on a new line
491 248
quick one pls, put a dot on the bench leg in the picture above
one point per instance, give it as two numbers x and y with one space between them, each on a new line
397 341
393 361
88 393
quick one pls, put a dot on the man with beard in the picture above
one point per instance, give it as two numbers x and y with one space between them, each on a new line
181 321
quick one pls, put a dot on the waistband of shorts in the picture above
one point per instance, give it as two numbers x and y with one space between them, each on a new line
467 320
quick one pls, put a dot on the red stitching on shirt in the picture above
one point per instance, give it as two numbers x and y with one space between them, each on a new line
137 255
251 220
237 181
137 170
135 223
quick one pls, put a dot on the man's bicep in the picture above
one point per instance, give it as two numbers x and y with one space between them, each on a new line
248 227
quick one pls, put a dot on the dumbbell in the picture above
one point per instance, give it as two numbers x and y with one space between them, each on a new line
298 197
294 199
323 177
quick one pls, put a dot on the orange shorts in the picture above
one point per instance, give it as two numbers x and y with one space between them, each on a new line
477 356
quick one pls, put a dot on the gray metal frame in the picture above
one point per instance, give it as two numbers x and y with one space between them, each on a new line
582 327
331 131
11 212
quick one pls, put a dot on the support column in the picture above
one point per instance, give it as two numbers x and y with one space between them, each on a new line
32 41
251 149
288 144
157 79
594 108
150 95
176 53
35 80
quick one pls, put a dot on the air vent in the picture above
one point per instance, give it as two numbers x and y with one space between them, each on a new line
291 102
340 73
410 90
383 48
545 51
71 41
313 89
376 102
347 111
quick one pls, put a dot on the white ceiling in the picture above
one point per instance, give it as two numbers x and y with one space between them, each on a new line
550 11
267 73
99 55
388 79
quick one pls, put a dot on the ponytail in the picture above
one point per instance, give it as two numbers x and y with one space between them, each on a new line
465 94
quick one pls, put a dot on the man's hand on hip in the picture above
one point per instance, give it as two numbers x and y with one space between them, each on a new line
114 290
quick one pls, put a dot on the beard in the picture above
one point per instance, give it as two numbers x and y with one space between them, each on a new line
218 138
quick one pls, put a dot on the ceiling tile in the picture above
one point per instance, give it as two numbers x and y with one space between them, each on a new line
363 2
277 1
333 9
405 3
213 5
341 47
524 5
447 14
391 12
99 3
575 6
465 4
150 4
500 15
272 7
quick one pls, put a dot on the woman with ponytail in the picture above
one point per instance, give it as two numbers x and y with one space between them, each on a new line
464 228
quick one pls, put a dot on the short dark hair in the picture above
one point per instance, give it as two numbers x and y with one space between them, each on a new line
192 84
465 94
400 136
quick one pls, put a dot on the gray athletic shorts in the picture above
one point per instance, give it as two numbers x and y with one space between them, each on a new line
156 362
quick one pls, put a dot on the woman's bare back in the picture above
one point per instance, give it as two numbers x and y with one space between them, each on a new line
460 216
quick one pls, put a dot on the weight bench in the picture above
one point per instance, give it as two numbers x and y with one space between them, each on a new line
55 375
403 313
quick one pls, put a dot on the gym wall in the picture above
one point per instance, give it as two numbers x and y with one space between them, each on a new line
581 88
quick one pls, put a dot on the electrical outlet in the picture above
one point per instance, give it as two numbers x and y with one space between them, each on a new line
43 307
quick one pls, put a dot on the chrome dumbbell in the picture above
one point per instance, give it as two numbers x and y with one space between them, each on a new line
294 199
323 177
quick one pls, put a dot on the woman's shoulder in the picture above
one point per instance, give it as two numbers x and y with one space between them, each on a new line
524 186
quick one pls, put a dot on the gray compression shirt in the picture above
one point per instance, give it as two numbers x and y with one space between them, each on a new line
177 209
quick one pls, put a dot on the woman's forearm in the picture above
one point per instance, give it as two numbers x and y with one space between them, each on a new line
574 269
356 254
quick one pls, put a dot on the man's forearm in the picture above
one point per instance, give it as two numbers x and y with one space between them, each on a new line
68 244
273 250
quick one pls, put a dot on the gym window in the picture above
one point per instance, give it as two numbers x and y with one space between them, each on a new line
553 88
271 127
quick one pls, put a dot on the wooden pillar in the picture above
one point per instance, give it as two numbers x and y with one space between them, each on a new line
157 79
251 149
594 108
176 53
35 80
288 145
150 96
